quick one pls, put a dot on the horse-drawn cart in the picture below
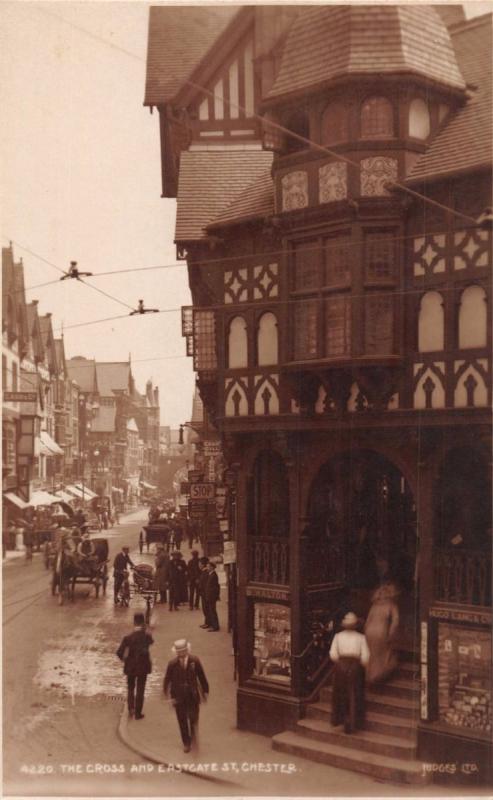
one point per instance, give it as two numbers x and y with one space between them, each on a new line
143 585
88 565
158 532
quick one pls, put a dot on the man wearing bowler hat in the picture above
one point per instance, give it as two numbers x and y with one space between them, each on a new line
134 652
186 684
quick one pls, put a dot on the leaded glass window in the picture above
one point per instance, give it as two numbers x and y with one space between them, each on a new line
337 261
204 336
337 326
306 261
377 118
305 329
380 256
334 123
379 325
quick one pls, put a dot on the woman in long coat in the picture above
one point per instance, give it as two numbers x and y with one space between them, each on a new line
380 630
161 575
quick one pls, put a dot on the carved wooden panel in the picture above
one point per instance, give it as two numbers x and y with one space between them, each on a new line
266 282
294 190
266 394
428 254
429 385
376 172
236 286
472 249
236 397
471 383
332 182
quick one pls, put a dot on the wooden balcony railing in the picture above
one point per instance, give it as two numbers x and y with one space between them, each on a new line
463 576
268 560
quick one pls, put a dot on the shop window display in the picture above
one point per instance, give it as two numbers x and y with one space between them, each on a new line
464 675
272 643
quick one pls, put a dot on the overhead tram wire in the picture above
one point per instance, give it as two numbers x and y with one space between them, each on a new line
275 125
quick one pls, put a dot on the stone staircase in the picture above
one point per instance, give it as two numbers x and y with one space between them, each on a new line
385 749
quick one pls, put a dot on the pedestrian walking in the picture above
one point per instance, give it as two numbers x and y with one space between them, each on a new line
193 575
134 652
380 630
122 560
350 654
161 574
28 542
186 684
203 578
178 530
141 541
212 594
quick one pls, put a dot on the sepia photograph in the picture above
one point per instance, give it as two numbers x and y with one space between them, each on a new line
246 390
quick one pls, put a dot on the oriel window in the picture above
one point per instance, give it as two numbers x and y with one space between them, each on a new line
377 118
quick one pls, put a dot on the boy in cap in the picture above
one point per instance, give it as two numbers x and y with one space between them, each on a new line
350 654
185 683
134 652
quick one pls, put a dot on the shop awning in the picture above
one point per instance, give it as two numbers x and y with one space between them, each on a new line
16 500
147 485
75 492
41 498
40 449
53 447
64 496
85 489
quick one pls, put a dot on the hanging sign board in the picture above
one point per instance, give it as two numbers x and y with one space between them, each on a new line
229 552
194 475
211 448
202 491
20 397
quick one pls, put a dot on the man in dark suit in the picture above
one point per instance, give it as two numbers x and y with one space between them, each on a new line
203 578
119 569
211 597
193 574
134 652
185 682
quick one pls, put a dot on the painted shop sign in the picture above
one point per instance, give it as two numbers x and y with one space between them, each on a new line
269 594
478 617
19 397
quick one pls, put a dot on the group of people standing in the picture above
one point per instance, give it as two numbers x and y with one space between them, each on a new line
361 658
188 583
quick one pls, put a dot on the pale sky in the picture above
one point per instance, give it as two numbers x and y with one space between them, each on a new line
80 178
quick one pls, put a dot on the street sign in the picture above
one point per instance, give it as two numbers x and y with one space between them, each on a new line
197 509
20 397
229 554
212 448
202 491
194 475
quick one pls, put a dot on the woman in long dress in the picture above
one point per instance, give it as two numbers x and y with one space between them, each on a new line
380 630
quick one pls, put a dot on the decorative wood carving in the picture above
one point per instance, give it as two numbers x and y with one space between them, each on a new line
294 190
376 172
429 254
332 182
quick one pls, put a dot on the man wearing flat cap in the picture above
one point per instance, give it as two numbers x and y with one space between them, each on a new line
122 560
186 684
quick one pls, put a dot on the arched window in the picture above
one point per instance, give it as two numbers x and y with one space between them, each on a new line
334 123
298 123
377 118
267 340
237 343
472 318
431 323
419 119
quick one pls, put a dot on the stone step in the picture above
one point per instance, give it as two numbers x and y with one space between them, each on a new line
390 724
365 740
381 767
404 689
385 704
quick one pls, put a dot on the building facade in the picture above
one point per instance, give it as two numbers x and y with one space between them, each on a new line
334 208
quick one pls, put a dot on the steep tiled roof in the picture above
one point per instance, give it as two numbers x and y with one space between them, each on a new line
179 37
466 140
328 42
112 376
34 329
104 420
83 372
59 352
210 180
256 201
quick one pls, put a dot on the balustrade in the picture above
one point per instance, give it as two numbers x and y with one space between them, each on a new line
463 577
268 559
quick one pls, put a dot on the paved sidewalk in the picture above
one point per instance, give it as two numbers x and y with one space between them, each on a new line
237 762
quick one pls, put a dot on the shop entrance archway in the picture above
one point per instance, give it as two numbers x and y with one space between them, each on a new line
362 531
